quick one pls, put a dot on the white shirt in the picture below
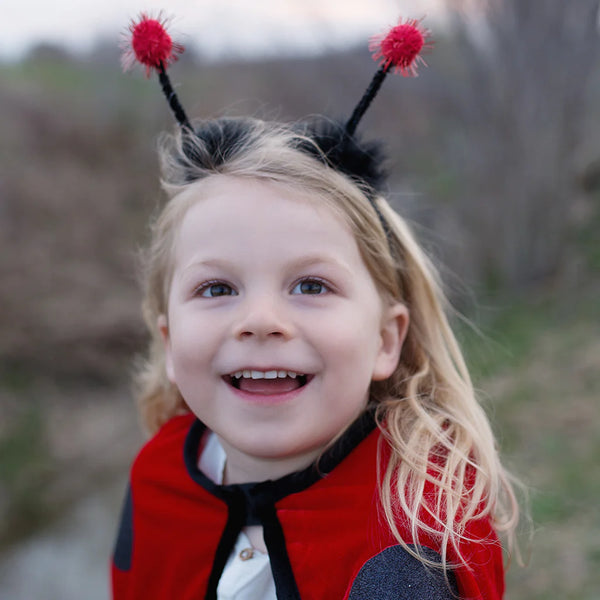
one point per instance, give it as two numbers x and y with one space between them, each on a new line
247 574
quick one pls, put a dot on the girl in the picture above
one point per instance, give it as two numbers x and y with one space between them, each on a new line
316 433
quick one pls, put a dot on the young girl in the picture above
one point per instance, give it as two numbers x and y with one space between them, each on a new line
316 433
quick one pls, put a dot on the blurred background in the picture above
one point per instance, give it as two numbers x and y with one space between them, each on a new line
494 156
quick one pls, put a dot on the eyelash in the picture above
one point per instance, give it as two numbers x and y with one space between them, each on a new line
204 287
326 287
207 285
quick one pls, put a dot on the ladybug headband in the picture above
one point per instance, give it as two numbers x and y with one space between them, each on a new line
399 50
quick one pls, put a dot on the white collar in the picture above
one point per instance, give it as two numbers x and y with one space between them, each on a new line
212 458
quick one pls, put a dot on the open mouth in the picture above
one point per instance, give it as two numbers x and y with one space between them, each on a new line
267 382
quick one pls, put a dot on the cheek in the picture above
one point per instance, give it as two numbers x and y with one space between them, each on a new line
186 346
353 341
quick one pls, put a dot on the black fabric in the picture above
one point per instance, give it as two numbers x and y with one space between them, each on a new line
235 522
394 574
124 544
285 582
254 503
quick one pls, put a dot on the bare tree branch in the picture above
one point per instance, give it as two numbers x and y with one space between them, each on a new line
521 106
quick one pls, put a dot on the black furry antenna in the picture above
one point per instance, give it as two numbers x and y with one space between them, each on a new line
399 49
151 45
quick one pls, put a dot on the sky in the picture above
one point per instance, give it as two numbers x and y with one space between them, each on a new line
235 27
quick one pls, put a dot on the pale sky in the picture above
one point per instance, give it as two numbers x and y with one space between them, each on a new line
241 26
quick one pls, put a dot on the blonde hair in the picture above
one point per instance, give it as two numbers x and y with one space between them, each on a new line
437 432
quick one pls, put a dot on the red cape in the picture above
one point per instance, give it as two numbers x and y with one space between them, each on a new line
329 538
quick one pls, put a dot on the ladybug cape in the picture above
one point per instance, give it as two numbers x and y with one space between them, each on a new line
323 527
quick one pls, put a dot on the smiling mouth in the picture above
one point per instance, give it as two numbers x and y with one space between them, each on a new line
267 382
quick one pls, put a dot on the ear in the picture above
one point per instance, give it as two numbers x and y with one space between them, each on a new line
163 327
394 327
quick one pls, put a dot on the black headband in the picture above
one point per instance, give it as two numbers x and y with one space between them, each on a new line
334 143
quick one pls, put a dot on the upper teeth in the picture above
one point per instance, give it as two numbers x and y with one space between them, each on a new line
248 374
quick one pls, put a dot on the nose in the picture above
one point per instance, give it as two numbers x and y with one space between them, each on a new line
263 317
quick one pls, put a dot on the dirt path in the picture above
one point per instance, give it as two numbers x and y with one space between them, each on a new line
90 437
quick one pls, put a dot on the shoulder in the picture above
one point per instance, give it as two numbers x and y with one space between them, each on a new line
395 574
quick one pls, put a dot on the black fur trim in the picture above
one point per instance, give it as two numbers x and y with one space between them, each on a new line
221 139
361 160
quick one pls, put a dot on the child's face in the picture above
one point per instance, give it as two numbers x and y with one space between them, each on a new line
268 284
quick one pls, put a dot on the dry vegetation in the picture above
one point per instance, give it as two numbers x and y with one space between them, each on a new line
78 182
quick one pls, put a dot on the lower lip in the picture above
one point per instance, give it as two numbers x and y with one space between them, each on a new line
269 399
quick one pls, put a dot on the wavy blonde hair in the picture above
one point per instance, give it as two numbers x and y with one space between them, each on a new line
427 410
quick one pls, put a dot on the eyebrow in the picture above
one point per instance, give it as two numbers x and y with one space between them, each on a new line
214 263
317 260
209 262
302 262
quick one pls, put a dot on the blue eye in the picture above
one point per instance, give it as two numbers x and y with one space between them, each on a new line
312 287
216 289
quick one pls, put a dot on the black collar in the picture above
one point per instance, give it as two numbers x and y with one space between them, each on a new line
289 484
254 503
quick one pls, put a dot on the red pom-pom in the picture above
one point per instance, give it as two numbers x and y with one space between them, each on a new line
150 44
401 46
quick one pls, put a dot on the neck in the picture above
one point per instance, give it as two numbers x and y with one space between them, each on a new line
241 468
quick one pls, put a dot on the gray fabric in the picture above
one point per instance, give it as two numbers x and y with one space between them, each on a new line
396 575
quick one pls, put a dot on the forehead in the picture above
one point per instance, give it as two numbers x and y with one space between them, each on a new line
249 189
227 212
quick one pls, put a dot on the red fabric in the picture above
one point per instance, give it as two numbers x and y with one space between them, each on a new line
176 524
331 529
